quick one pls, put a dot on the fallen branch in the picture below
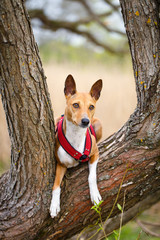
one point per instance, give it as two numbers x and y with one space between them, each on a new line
146 230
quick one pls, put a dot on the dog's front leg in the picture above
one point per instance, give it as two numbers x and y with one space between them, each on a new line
92 179
55 202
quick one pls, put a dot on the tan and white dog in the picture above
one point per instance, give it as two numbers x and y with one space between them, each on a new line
74 131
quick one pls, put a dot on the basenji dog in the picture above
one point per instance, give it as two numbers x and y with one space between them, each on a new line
77 135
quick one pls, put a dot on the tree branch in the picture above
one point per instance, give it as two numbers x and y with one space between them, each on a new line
146 230
151 224
39 13
114 223
98 20
115 7
54 25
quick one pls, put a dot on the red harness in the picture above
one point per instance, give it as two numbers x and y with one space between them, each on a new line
68 147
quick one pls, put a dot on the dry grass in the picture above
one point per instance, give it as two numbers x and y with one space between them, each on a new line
4 141
117 101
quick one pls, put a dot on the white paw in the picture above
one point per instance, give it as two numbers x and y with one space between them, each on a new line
95 196
55 203
92 179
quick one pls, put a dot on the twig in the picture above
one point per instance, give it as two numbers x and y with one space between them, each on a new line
117 195
98 20
139 235
151 224
146 230
54 234
115 7
120 229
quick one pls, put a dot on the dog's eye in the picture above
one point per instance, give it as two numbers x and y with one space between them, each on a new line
75 105
91 107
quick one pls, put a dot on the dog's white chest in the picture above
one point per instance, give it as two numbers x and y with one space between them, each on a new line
76 136
66 159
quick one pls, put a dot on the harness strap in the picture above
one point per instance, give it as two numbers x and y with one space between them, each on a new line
69 148
92 131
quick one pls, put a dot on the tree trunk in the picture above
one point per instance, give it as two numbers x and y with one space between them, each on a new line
135 149
26 188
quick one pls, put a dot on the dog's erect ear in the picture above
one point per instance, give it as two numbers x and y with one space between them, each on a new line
96 89
70 86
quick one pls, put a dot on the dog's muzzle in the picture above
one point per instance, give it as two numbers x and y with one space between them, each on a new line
84 122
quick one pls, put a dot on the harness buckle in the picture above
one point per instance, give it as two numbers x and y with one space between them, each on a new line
83 157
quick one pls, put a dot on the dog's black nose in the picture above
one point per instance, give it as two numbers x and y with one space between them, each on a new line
85 122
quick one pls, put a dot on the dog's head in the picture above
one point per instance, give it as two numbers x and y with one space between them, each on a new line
81 106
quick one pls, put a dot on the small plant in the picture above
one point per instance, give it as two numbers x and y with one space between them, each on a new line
119 207
116 235
97 208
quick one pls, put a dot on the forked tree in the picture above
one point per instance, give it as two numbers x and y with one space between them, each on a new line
25 190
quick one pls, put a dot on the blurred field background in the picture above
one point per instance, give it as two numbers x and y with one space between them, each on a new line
64 53
118 98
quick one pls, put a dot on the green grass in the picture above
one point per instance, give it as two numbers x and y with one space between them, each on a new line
131 231
4 166
63 53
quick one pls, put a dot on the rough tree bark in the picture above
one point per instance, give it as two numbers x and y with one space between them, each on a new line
26 189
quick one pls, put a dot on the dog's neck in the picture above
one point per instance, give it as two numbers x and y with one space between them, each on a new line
76 135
